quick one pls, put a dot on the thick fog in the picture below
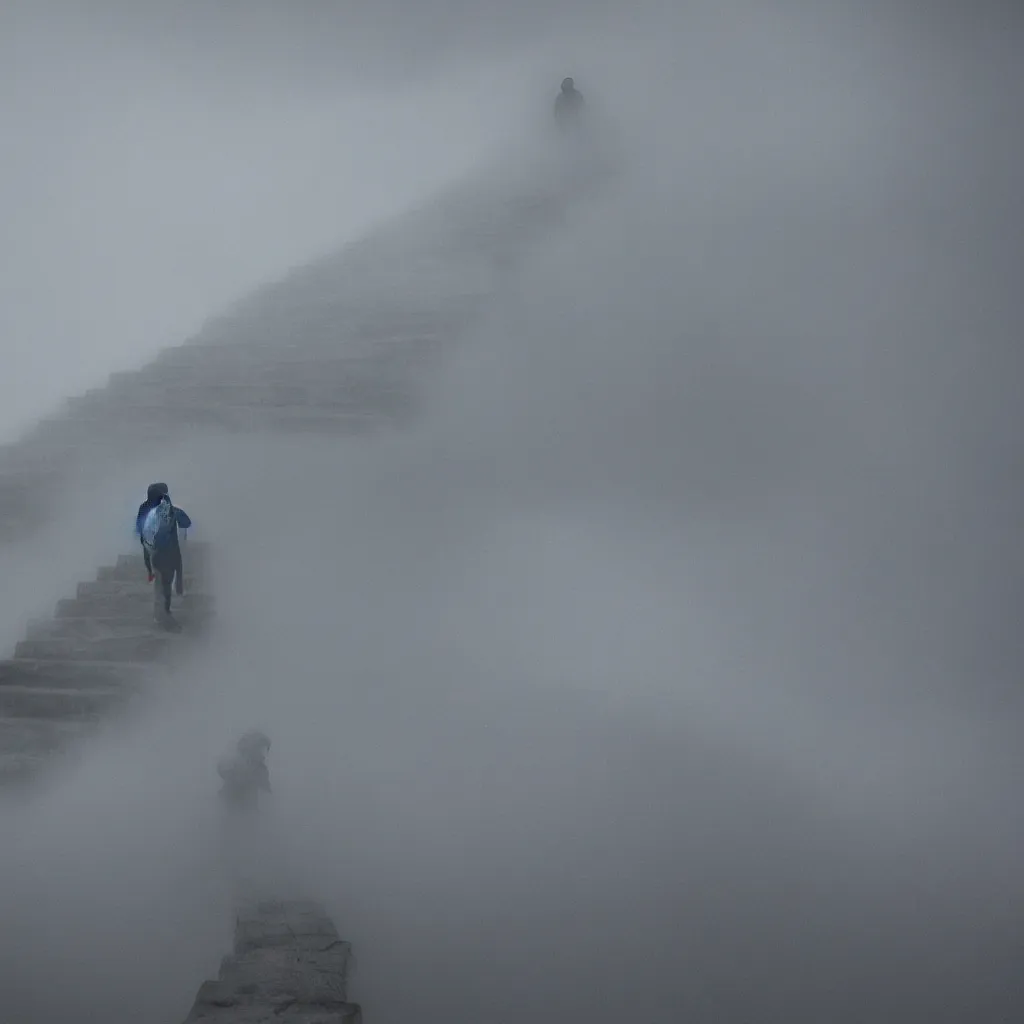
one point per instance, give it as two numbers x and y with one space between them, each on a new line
143 187
666 669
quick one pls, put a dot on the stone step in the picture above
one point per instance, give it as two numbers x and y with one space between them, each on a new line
131 605
52 673
201 408
137 574
46 702
137 587
90 628
327 422
270 976
344 424
38 735
288 960
141 648
197 548
368 351
314 387
298 924
214 1005
194 556
27 743
19 767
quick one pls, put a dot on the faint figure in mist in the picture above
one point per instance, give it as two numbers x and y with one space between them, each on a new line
244 772
568 107
249 852
586 142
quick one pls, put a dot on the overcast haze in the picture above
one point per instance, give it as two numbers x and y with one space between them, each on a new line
667 668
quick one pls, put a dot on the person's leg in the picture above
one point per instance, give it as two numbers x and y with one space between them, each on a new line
179 574
163 568
158 596
166 576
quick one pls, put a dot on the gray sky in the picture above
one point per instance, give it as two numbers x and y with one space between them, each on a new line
668 668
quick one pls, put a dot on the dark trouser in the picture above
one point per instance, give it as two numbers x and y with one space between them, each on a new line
162 591
166 565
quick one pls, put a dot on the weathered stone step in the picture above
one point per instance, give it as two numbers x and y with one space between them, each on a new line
99 652
312 986
138 588
194 556
299 924
141 648
271 971
50 673
195 550
295 421
357 419
130 605
44 702
26 743
24 733
298 421
198 408
215 1006
369 354
90 628
318 385
137 574
288 961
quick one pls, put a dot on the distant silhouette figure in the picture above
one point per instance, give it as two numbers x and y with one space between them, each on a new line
245 772
568 106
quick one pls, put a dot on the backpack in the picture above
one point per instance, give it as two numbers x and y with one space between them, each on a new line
159 527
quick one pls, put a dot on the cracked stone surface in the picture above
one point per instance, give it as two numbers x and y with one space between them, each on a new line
288 962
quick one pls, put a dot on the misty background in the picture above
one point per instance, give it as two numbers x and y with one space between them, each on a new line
667 667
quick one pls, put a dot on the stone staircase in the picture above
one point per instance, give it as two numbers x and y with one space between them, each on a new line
338 347
288 963
99 652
